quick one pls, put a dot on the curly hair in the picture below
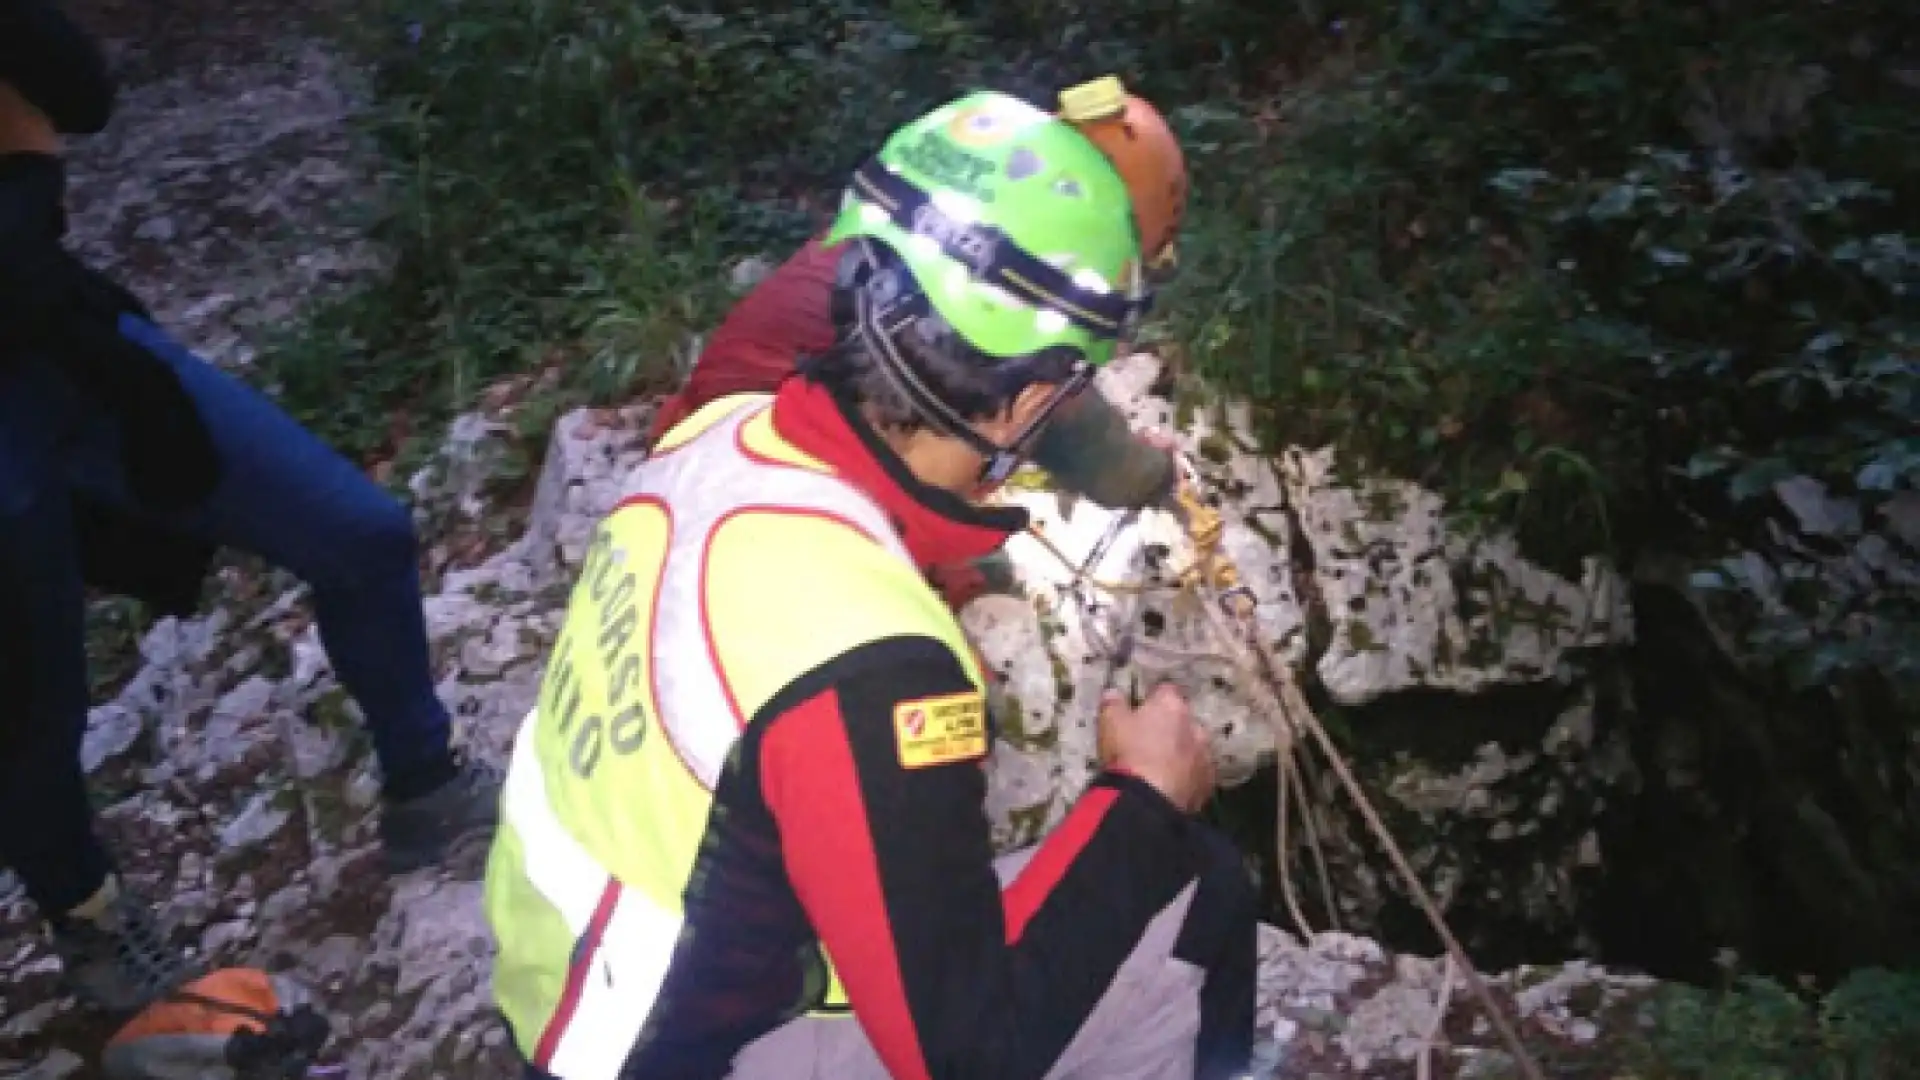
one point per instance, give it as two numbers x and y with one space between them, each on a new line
974 384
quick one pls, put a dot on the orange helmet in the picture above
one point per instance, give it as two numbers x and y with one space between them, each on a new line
1136 139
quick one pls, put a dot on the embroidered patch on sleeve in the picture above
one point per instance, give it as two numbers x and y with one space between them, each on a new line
941 730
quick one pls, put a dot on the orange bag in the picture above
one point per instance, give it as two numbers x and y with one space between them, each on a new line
234 1024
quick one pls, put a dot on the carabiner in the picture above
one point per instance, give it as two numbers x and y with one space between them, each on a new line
1239 602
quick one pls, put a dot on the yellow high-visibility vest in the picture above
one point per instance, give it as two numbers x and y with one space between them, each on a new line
677 633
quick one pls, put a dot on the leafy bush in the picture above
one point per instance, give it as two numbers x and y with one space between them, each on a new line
570 171
1603 272
1867 1028
561 169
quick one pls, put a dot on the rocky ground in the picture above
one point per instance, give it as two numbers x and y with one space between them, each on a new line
228 181
232 777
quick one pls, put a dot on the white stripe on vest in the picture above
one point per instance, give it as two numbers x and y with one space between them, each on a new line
701 483
636 945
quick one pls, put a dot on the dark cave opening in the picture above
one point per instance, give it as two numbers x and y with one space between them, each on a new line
1738 825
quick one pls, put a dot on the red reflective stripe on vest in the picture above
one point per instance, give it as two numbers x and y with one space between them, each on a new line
577 975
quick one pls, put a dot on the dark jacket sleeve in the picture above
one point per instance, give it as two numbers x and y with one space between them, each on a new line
56 307
891 858
124 553
56 65
47 296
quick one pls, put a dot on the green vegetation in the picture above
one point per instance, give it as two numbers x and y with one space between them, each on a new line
1867 1028
1600 272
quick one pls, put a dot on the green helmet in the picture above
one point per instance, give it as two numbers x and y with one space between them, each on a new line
1015 227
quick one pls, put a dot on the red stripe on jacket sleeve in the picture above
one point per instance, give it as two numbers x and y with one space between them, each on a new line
1050 864
829 853
893 866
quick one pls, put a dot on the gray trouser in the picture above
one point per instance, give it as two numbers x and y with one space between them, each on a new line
1144 1029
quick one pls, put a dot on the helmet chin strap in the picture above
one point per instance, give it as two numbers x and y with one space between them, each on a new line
879 327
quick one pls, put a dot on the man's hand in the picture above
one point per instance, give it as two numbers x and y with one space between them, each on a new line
1161 743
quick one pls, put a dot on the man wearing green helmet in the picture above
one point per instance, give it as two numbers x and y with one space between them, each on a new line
1088 448
742 828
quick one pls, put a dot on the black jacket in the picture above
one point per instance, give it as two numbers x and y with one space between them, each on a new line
55 307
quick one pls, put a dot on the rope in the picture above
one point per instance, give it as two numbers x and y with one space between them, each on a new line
1284 841
1291 764
1295 704
1217 582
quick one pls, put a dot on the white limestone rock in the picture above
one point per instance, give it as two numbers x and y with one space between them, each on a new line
435 942
457 479
587 466
1395 582
1385 573
1053 649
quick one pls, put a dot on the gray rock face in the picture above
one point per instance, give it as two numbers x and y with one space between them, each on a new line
1339 1005
1411 606
1454 667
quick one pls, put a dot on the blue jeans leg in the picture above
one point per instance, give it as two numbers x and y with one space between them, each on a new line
289 498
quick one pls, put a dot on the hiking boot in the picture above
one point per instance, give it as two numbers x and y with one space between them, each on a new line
115 954
419 831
